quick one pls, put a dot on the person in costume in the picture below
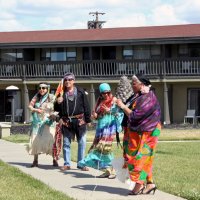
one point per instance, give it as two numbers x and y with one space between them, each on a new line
74 114
143 129
42 127
108 118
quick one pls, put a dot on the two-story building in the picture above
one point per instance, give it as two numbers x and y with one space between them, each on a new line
168 55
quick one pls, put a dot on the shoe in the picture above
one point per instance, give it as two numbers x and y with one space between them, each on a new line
35 163
65 168
136 193
112 176
153 189
83 168
104 175
55 163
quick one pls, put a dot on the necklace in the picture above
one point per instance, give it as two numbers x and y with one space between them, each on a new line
74 104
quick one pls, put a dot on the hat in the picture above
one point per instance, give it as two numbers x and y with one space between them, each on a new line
69 75
104 87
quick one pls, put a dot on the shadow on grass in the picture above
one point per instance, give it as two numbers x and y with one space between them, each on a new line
164 152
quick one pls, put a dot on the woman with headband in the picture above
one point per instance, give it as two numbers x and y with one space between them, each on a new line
43 127
143 129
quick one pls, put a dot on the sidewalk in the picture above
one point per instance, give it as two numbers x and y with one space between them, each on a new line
74 183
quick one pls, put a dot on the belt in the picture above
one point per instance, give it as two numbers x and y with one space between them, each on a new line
76 116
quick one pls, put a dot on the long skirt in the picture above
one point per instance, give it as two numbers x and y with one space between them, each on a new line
41 141
139 151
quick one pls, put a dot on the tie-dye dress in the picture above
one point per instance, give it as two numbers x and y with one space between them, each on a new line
100 155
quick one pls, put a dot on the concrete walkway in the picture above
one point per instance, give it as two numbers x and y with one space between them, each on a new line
74 183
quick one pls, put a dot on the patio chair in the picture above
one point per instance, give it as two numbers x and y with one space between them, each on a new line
190 115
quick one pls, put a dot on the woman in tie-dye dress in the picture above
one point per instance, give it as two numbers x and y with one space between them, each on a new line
142 131
108 117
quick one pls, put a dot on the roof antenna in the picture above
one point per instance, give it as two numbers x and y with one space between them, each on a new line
95 24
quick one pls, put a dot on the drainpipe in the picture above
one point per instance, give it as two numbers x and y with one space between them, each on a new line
166 106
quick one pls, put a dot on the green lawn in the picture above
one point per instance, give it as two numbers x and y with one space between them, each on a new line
15 185
176 169
176 166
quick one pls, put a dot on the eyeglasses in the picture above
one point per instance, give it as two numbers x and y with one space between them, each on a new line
70 79
42 88
105 93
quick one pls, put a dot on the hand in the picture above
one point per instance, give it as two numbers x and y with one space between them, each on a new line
89 124
60 122
106 108
53 117
39 110
120 103
59 100
94 115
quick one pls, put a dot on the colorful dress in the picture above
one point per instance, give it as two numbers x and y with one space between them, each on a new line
100 155
43 129
141 137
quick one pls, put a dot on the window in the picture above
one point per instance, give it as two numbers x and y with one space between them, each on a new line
141 52
155 51
194 99
71 54
46 54
183 50
11 55
194 50
128 52
58 54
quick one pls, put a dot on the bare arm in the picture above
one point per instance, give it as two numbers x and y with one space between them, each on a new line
126 110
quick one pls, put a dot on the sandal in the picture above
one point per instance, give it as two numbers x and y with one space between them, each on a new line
104 175
140 191
83 168
152 189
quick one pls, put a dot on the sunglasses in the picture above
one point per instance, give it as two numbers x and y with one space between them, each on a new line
42 88
105 93
70 79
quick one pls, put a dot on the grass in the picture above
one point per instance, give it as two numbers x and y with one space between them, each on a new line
176 166
166 134
19 186
176 169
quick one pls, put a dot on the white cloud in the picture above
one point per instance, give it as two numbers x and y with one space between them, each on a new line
67 14
165 14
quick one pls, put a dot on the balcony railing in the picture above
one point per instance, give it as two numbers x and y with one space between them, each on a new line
97 69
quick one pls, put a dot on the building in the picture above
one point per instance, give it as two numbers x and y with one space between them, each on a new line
168 55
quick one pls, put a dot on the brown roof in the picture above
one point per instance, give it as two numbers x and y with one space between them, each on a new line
105 34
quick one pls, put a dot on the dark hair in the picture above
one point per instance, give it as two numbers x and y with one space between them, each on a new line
143 79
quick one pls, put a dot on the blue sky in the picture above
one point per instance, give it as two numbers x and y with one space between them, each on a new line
24 15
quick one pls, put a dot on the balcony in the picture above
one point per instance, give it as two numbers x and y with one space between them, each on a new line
112 69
